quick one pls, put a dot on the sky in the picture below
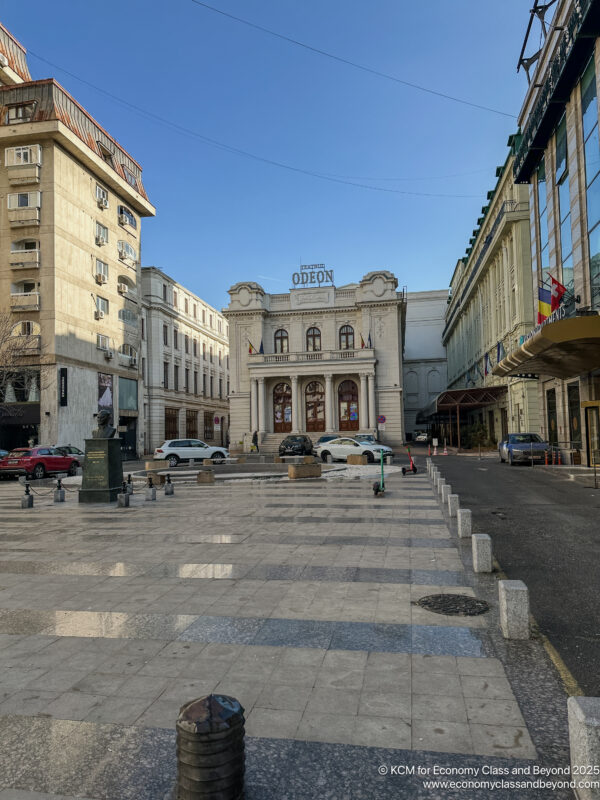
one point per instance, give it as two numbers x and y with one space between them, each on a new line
423 163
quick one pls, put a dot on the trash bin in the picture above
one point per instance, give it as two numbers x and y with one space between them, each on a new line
210 749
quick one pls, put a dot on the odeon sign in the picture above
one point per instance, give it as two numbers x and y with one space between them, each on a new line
312 275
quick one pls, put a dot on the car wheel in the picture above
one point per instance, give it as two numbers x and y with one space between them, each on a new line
217 456
173 460
370 457
73 468
501 459
324 455
39 471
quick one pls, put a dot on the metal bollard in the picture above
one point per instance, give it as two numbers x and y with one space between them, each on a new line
129 484
169 488
59 492
150 491
123 497
27 499
210 749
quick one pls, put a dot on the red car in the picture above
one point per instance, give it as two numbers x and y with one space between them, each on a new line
37 462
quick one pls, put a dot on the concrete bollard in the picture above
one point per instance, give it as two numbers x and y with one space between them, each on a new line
59 492
446 489
27 498
205 476
514 609
481 544
464 522
436 479
192 462
584 739
123 496
129 484
210 749
329 459
440 485
150 491
169 488
452 505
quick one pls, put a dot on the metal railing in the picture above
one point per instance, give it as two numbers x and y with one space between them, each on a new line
311 355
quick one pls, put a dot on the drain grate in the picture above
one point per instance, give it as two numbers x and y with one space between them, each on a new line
453 604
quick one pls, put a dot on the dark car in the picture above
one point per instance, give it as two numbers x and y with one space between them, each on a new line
37 462
69 450
296 445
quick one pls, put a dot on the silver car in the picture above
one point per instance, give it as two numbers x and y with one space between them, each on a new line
176 450
339 449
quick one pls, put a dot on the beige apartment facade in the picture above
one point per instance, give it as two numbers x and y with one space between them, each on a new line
185 364
489 311
559 157
70 235
317 360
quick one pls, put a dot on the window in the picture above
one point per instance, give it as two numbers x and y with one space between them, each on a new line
204 351
564 203
186 343
126 217
176 377
210 320
102 304
128 394
20 113
166 374
165 335
174 298
101 234
204 316
126 251
195 311
542 202
195 382
24 245
164 292
143 321
195 346
589 114
208 425
346 337
186 306
102 268
187 380
129 351
212 386
191 424
101 196
227 361
128 317
281 341
25 200
175 338
144 377
24 154
130 177
101 341
220 388
106 155
211 356
220 326
204 383
220 358
26 328
313 339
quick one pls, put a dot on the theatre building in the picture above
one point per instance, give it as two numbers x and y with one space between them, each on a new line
558 155
316 360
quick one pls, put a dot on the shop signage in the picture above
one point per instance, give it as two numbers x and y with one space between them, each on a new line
557 314
312 275
63 387
530 376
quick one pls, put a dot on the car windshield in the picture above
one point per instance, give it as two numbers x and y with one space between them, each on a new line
19 453
295 439
524 438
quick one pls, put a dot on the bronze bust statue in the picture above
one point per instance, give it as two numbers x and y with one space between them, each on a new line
104 430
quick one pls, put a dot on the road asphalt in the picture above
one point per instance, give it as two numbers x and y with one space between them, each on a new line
545 531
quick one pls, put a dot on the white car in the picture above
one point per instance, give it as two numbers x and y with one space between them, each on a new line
339 449
176 450
421 437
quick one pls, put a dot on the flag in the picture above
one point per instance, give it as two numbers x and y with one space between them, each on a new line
544 304
362 342
261 349
486 364
556 291
500 352
251 348
369 345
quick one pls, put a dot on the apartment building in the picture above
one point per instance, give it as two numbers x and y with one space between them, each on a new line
185 364
70 237
558 155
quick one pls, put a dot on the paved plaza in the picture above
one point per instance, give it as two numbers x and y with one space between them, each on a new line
297 598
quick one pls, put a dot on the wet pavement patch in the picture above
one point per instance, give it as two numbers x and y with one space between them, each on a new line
453 605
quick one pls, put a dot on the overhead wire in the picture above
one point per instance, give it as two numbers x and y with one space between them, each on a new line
350 63
239 151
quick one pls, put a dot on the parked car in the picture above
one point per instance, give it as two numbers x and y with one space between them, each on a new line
69 450
421 436
37 462
297 445
339 449
326 438
176 450
519 448
366 437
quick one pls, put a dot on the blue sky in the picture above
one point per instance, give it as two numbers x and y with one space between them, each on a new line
221 217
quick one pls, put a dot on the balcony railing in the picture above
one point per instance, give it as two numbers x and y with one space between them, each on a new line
24 259
21 174
19 217
25 301
311 355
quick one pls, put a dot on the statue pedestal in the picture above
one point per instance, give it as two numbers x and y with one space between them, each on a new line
102 471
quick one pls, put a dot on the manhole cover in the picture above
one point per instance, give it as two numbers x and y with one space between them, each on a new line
453 604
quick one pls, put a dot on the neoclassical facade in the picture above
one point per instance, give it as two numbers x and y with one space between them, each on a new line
317 360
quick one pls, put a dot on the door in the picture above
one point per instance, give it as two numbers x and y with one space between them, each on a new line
491 426
282 408
592 418
315 407
348 406
551 416
574 415
504 422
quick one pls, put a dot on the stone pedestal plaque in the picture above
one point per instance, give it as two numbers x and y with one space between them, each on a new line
102 471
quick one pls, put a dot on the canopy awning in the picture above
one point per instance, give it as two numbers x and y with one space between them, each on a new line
560 349
463 398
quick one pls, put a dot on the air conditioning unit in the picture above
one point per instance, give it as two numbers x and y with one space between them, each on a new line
3 60
99 314
122 288
108 354
100 241
133 361
100 277
103 202
123 220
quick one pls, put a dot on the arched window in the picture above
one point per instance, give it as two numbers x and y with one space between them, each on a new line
313 339
282 408
281 341
348 406
315 406
346 337
26 327
128 350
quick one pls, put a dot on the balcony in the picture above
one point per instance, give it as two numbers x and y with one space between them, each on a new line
362 354
19 217
25 301
30 345
127 361
21 174
24 259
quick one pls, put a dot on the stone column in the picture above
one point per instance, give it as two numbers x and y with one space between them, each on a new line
262 406
363 415
295 405
329 403
372 409
253 405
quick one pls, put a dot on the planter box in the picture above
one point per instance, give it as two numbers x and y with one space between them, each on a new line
153 465
297 471
205 476
352 459
157 480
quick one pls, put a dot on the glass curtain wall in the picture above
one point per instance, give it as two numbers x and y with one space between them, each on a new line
589 119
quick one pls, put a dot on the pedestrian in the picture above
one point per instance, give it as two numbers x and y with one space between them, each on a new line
255 441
